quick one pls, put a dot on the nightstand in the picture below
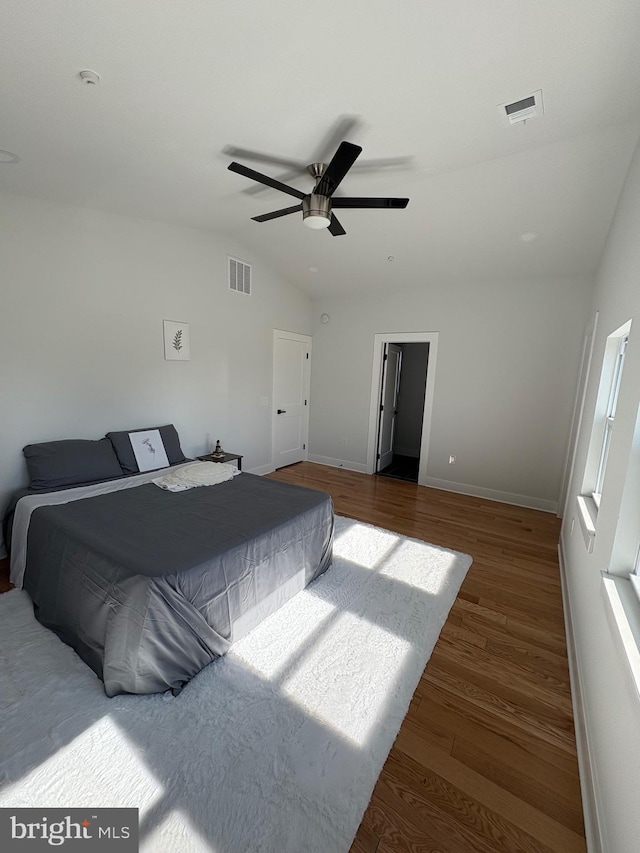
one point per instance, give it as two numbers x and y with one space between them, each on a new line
227 457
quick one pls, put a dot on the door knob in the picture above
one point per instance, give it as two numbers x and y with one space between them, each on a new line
282 411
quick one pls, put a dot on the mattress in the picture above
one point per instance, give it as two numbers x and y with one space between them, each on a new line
149 586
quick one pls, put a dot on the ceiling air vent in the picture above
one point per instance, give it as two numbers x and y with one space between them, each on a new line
522 110
239 276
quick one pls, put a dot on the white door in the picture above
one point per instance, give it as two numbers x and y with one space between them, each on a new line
391 364
291 375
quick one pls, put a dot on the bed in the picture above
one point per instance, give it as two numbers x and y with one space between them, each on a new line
149 585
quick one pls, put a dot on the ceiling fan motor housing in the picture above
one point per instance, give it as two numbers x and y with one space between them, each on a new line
316 210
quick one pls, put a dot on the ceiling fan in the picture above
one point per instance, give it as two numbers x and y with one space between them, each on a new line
344 127
318 205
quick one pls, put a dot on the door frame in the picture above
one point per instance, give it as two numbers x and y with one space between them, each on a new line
293 336
379 340
382 409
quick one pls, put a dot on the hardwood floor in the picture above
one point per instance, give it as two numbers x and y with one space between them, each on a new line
485 761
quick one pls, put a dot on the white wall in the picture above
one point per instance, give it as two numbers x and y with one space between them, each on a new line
508 357
82 298
609 704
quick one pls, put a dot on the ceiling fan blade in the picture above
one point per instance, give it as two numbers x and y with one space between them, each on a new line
343 128
383 163
276 213
397 203
265 179
342 161
256 189
361 166
335 227
259 157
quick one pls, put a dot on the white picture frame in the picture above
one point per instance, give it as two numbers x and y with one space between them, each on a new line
149 450
176 341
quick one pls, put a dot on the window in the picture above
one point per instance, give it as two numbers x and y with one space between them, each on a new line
610 413
613 476
602 432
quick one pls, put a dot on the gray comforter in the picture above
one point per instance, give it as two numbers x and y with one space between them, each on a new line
149 586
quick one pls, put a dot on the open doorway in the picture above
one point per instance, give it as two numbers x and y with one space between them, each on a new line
404 385
401 404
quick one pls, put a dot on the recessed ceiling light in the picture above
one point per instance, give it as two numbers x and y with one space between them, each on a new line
313 269
529 236
8 157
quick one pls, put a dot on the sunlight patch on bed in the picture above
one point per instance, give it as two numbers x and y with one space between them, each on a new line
344 664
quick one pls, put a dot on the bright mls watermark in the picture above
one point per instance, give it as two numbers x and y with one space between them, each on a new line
69 829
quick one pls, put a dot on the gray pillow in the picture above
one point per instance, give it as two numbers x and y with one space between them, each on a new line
70 462
124 451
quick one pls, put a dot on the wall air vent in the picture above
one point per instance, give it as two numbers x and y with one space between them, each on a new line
522 110
239 276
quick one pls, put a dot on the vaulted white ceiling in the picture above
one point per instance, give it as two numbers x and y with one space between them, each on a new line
180 81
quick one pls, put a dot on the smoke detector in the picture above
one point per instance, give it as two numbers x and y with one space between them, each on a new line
522 110
89 78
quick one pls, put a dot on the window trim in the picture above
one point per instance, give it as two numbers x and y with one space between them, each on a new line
609 418
624 620
601 432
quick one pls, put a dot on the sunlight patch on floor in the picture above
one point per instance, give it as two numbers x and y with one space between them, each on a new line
392 554
333 683
366 546
339 652
49 782
176 832
268 652
410 565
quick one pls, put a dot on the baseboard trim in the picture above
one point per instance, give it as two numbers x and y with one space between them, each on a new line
492 495
588 784
445 485
338 463
261 470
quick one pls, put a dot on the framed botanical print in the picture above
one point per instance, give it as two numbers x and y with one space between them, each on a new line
176 341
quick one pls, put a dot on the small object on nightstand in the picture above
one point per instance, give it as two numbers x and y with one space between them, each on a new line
218 453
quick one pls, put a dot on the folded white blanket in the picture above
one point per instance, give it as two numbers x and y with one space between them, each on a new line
195 474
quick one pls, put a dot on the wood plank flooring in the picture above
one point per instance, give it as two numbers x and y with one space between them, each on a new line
485 761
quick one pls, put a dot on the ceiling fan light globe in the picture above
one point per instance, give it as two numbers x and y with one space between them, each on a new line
316 211
316 221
